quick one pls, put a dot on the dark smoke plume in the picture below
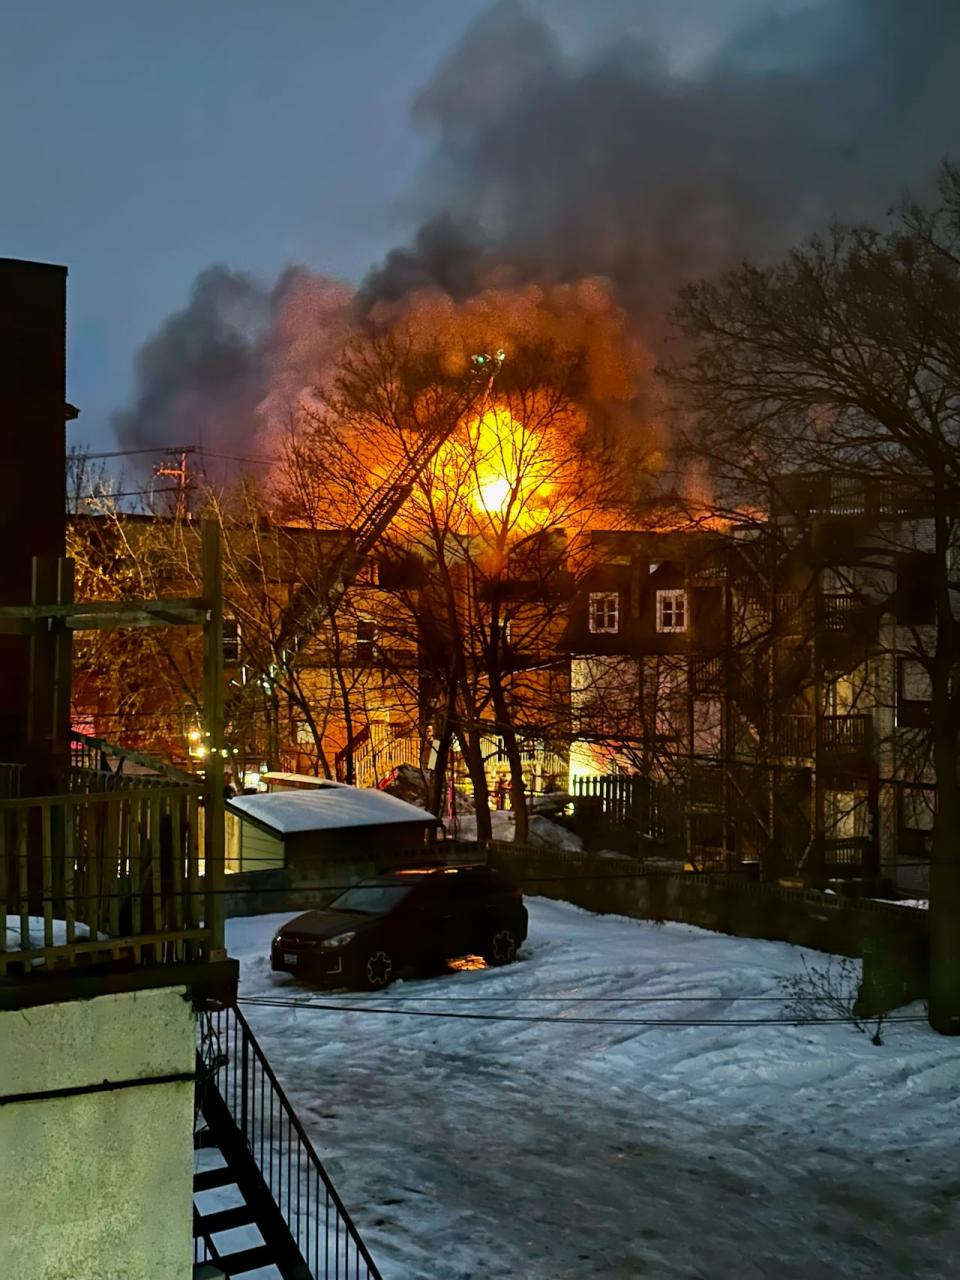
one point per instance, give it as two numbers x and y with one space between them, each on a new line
548 167
220 372
552 166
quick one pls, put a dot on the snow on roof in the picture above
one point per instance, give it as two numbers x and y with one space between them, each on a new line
307 781
326 809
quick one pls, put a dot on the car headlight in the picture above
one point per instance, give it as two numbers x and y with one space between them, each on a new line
340 940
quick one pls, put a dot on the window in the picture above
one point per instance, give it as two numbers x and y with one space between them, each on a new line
916 597
846 815
913 694
366 639
671 611
231 640
604 617
917 807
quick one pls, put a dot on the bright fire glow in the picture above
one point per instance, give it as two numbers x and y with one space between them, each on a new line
507 466
494 495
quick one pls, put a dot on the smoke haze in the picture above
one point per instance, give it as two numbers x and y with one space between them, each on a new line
553 166
643 146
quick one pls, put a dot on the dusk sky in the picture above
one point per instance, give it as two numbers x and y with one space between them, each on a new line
143 141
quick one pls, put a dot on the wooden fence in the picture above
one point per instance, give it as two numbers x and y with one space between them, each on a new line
93 877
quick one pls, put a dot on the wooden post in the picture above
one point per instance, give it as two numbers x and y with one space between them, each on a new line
213 710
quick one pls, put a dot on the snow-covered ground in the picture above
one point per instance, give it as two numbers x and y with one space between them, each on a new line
546 1150
542 830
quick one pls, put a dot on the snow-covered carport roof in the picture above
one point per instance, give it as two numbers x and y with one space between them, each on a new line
327 808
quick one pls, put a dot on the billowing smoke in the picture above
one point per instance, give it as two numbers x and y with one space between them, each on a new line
558 160
224 370
551 166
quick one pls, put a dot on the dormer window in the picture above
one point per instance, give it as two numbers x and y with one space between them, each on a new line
604 612
671 610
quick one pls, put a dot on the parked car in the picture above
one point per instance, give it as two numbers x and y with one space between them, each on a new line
404 921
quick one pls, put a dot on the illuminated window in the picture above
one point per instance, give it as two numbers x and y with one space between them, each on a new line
671 611
604 615
366 639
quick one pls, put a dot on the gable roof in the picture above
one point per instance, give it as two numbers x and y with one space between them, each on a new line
326 809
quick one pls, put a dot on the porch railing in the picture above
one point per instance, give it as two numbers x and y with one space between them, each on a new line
94 877
846 733
316 1218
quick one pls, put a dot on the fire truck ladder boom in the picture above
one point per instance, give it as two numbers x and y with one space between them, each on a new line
384 505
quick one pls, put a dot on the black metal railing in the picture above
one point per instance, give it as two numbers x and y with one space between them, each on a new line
316 1217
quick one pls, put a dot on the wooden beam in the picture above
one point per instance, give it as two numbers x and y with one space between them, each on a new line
213 716
98 615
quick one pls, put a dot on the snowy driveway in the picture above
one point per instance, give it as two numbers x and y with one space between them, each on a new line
542 1150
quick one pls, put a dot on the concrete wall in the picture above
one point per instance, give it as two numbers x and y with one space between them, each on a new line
97 1186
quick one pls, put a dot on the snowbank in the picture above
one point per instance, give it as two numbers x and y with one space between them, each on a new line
543 831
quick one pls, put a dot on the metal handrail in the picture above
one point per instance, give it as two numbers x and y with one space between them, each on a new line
318 1220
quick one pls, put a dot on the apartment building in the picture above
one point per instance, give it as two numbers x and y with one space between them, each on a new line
770 682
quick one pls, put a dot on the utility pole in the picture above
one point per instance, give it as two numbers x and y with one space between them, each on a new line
180 474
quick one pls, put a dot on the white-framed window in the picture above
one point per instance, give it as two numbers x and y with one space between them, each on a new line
671 611
604 612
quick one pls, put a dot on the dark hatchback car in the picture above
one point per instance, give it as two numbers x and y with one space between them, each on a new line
402 922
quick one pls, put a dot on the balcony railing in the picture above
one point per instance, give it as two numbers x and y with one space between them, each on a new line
794 735
851 856
10 776
849 733
792 612
109 876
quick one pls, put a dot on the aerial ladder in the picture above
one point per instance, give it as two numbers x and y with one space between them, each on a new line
317 599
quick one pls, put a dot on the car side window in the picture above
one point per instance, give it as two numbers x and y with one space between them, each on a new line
468 889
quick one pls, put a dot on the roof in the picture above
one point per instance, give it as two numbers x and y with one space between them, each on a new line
326 809
291 781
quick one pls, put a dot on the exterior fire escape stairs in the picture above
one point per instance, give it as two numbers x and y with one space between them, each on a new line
274 1209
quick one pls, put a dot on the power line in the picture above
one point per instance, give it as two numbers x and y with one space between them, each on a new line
80 456
560 998
265 1002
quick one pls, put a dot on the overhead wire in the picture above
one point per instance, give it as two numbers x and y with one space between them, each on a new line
266 1002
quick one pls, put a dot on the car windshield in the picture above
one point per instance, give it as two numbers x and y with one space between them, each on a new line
370 899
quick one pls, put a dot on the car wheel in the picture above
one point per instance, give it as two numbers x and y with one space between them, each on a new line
378 970
502 948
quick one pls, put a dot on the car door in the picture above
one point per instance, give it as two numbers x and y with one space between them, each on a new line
425 922
463 914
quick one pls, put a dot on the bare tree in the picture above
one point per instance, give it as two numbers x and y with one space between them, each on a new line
843 362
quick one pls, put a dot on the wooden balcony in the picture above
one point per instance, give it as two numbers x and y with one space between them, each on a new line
847 735
793 613
794 735
851 857
104 879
